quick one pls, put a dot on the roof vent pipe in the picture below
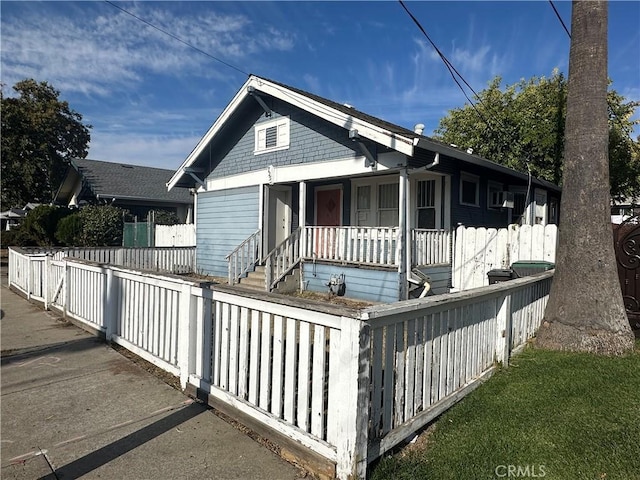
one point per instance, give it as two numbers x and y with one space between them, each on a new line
419 128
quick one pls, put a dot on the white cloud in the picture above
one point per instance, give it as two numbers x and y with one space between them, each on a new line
98 53
139 149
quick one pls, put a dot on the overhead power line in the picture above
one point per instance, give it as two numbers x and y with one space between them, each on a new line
559 18
452 70
175 37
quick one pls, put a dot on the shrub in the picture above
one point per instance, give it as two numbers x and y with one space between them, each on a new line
39 226
101 226
69 230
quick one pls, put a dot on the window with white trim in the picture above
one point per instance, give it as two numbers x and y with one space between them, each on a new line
469 190
272 135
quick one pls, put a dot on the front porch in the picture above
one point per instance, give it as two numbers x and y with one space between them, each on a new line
394 221
376 249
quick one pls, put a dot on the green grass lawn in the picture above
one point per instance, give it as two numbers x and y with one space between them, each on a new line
555 415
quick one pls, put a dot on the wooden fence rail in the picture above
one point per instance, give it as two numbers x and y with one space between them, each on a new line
177 260
347 384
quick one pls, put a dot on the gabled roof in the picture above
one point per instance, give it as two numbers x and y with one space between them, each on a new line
108 180
373 128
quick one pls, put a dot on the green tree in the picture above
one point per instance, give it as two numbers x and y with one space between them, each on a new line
40 134
585 310
523 127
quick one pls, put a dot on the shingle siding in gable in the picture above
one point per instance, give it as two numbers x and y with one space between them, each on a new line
311 139
225 219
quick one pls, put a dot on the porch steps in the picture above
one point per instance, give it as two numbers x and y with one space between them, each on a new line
255 280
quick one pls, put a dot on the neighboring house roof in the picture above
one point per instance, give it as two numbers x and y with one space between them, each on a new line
13 213
124 182
367 126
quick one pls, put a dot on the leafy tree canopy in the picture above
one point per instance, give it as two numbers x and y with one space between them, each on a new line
522 127
40 135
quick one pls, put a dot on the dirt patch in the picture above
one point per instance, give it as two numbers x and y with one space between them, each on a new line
332 299
140 363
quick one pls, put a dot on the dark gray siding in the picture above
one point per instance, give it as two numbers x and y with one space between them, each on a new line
225 219
475 216
311 139
361 283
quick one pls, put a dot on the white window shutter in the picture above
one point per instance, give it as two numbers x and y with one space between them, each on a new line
283 134
261 139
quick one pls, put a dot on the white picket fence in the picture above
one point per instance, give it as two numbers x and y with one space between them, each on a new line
348 385
479 250
182 235
159 259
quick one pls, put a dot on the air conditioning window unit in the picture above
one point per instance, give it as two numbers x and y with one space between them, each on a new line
501 200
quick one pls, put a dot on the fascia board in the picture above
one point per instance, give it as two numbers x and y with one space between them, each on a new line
365 129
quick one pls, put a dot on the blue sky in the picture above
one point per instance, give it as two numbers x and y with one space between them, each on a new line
150 98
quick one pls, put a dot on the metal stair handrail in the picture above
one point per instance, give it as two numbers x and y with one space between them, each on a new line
244 257
282 259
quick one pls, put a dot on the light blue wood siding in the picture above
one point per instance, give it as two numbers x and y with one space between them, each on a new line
440 278
361 283
224 219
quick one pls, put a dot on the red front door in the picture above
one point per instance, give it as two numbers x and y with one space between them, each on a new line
329 207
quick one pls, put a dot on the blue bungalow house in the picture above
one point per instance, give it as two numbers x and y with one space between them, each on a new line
290 185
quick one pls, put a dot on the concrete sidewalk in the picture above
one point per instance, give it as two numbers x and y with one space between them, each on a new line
72 407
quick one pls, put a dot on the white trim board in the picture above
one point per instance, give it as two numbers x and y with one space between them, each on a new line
294 173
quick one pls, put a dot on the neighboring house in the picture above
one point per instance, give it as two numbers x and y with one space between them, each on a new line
623 210
294 182
11 218
135 188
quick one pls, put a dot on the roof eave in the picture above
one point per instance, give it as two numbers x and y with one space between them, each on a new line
443 149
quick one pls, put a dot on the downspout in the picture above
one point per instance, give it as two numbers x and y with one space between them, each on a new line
403 290
409 257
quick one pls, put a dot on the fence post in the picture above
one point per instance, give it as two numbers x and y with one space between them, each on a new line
503 330
110 313
351 411
186 334
46 270
29 267
67 290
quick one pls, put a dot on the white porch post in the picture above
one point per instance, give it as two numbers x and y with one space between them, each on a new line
302 216
401 246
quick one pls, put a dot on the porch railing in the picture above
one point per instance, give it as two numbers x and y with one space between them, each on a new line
374 245
244 257
430 247
282 259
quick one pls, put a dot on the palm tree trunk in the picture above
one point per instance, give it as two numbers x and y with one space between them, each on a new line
585 310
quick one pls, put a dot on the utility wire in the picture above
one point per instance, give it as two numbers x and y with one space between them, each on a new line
559 18
453 72
175 37
448 64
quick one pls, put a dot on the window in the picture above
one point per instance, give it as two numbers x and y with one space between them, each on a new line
469 190
272 135
363 204
425 204
388 205
493 191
